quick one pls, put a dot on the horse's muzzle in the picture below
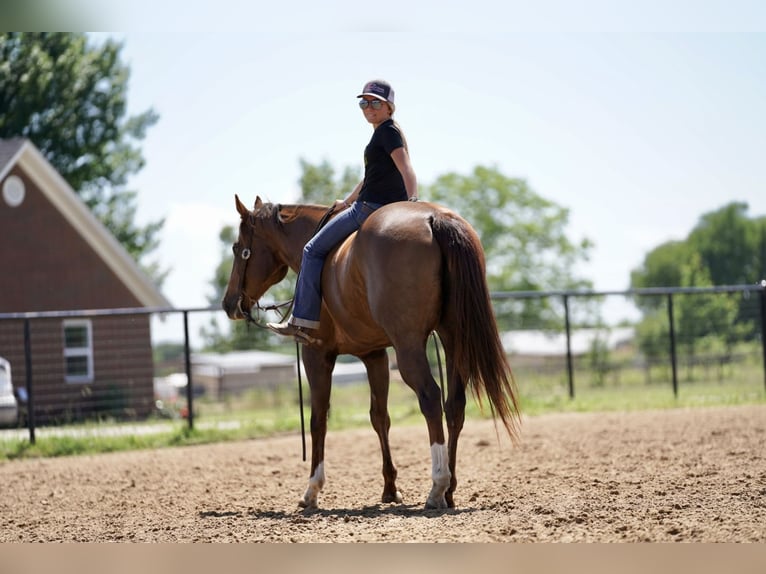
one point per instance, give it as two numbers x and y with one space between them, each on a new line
233 307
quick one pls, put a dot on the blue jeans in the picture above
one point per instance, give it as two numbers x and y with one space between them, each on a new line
307 303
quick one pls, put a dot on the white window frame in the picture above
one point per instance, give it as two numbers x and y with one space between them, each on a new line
86 351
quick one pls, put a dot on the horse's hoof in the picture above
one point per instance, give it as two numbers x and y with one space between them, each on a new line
308 505
436 505
395 497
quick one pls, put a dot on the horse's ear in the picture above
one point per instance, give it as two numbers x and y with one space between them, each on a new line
258 202
240 206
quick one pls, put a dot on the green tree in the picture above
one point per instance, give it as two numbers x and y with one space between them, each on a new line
701 316
661 268
732 248
724 248
698 318
320 185
728 243
70 99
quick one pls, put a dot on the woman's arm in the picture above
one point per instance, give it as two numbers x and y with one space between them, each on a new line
402 161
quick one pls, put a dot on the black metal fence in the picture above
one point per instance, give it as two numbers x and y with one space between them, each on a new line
674 336
730 332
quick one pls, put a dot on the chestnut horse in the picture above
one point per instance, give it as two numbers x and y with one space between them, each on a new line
412 268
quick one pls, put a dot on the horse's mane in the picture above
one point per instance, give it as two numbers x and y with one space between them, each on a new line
282 214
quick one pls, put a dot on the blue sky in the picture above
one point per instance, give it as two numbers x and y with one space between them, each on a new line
637 133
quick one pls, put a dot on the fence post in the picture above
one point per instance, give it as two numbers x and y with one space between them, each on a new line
673 362
763 328
187 359
30 391
570 369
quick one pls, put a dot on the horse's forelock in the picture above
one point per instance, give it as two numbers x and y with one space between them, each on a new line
263 213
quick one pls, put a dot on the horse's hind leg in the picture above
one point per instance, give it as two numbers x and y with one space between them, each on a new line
454 410
378 376
319 367
414 368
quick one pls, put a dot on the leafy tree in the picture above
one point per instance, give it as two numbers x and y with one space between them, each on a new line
699 316
653 335
731 246
319 184
727 241
724 248
661 268
70 99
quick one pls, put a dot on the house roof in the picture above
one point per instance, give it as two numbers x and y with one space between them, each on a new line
8 149
22 153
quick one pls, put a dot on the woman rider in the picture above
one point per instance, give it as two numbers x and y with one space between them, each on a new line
388 177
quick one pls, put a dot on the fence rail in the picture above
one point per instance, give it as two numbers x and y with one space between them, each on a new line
667 292
673 308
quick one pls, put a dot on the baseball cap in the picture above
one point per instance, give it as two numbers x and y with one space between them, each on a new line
379 89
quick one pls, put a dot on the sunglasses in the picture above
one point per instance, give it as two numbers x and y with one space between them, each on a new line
376 104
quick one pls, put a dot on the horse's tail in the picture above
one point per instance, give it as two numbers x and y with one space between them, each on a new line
478 354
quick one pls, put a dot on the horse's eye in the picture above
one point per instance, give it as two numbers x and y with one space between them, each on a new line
234 248
245 253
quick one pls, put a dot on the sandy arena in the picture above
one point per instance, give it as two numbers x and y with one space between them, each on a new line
661 476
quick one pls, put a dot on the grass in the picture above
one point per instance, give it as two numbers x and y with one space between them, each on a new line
260 413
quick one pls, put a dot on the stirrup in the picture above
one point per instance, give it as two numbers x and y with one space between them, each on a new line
289 330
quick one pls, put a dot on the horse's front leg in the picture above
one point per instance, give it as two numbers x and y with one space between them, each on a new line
319 367
378 377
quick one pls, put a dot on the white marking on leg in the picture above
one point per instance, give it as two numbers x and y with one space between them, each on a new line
316 482
441 476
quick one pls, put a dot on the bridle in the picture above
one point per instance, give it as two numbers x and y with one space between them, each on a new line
244 254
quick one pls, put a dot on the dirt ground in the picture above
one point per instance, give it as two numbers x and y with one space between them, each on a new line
662 476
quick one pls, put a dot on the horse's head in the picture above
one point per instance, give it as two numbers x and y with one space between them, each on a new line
257 262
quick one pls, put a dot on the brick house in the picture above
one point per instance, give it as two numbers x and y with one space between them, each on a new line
55 255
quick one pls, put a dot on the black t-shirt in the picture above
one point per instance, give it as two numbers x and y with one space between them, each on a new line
382 181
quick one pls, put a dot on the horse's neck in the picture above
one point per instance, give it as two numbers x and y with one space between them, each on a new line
300 225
